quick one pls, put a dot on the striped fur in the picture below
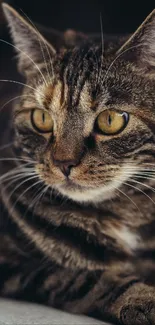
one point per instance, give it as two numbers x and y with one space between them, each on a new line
86 246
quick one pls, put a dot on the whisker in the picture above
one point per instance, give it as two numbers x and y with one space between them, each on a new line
18 49
42 50
14 98
6 145
27 179
22 84
138 189
118 56
145 185
23 182
30 187
102 45
16 159
118 189
36 197
97 65
17 178
144 175
14 171
145 168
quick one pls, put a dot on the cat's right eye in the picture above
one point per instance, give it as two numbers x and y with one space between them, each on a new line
41 121
110 122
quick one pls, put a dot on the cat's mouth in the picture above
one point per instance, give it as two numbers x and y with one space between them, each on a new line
69 184
84 194
72 186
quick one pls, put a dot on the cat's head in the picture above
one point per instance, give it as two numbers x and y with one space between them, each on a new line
87 115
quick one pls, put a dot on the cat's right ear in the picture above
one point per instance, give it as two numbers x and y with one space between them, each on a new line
32 48
140 47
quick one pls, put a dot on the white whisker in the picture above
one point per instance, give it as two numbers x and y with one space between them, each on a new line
34 184
118 56
18 49
17 178
42 50
22 84
102 44
14 171
138 189
145 185
6 145
14 98
118 189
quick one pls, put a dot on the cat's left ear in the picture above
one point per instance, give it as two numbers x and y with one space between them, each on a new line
32 48
140 47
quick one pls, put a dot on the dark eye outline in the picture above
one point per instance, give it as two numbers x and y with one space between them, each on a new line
34 125
126 121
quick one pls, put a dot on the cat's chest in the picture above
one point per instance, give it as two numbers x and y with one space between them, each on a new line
81 238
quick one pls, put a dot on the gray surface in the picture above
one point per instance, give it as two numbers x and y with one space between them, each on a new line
15 313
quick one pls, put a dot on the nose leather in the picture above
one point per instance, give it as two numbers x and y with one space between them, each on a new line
65 166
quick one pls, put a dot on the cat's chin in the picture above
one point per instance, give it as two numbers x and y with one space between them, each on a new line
86 195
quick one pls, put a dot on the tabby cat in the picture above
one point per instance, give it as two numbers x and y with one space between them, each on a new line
77 175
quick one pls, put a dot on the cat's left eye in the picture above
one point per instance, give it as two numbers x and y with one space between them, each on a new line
41 121
111 122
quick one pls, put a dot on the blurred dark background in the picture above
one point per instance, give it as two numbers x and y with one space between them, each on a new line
118 16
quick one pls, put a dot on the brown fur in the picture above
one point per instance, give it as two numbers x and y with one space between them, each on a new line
83 242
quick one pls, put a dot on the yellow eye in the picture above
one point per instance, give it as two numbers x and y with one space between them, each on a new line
111 122
41 121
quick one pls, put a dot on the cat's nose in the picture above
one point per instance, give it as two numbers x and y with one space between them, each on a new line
65 166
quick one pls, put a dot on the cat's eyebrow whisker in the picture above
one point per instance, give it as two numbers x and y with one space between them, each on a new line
102 36
97 65
24 53
14 98
42 49
7 145
118 56
23 84
102 45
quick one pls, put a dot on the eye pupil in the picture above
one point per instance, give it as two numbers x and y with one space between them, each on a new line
43 117
109 119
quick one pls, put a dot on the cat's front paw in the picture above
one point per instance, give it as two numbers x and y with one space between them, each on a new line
139 312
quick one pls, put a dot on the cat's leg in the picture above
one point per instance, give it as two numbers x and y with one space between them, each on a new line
110 296
123 300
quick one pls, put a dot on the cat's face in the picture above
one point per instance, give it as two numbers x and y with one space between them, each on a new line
86 119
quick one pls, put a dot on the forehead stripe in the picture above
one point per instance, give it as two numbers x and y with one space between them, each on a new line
48 95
